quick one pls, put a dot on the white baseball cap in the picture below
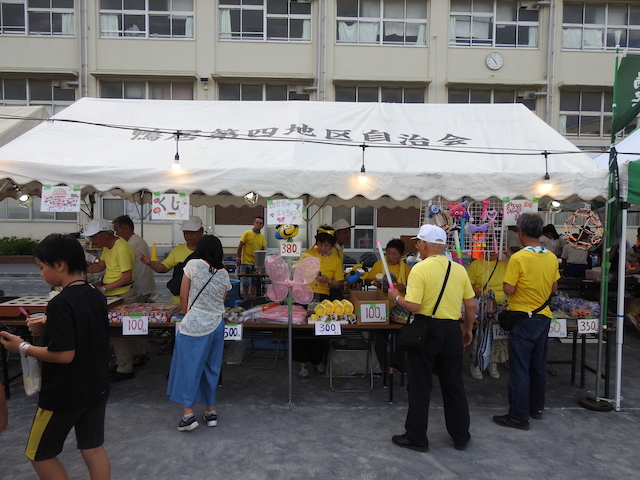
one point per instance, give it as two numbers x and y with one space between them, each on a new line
96 226
432 234
192 225
341 225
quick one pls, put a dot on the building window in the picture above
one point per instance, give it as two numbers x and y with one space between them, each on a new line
272 20
146 18
587 114
259 91
29 91
380 94
364 219
489 95
382 22
600 26
147 90
493 23
113 207
37 17
10 210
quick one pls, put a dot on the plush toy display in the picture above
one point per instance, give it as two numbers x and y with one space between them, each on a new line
284 232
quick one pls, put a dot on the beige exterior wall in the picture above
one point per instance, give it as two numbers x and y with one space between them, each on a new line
436 67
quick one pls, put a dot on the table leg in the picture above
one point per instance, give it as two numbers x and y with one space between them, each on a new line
574 354
583 361
5 371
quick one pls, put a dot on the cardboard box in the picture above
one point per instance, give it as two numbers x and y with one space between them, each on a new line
370 307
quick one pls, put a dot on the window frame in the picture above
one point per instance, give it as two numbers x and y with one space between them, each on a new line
290 91
340 212
604 115
127 17
56 216
53 106
527 102
380 92
606 27
225 21
148 84
493 18
345 23
54 14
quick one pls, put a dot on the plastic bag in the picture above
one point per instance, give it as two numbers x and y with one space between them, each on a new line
30 374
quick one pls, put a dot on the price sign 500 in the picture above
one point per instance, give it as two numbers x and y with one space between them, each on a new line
233 331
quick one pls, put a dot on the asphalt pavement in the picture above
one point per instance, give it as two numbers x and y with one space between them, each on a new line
323 434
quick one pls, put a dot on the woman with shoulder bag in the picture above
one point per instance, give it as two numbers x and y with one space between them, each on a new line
197 355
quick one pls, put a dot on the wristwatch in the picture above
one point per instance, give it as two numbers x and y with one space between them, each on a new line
103 289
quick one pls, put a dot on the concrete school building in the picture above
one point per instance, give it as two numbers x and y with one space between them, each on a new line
54 52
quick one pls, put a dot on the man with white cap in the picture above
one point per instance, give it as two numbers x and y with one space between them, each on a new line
342 233
193 231
117 261
436 290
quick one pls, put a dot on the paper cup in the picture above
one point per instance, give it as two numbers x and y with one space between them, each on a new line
36 318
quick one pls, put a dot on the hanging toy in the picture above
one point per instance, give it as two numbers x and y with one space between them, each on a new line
478 244
485 206
433 210
478 228
491 215
284 232
457 211
589 234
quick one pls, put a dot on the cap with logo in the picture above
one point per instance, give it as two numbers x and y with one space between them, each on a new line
432 234
96 226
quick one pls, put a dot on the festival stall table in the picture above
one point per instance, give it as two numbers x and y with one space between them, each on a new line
11 315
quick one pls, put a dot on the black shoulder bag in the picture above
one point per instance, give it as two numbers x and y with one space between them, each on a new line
412 335
510 318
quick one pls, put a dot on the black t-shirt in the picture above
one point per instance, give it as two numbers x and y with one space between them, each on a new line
76 320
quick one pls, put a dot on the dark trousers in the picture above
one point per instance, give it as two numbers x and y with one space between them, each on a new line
442 355
528 345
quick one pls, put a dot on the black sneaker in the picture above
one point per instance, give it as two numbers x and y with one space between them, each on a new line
535 414
187 425
211 418
119 376
507 421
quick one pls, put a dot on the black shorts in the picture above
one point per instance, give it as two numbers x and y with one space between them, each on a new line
50 429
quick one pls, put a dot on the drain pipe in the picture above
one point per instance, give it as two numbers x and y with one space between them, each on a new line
320 53
550 61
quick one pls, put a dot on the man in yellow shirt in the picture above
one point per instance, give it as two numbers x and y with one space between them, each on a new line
442 351
532 276
193 231
117 261
250 241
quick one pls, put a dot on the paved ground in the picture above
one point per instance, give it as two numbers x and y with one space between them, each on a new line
325 435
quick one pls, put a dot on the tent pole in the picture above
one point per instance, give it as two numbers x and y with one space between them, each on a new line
620 308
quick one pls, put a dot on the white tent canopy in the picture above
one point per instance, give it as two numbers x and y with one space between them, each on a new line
14 121
628 151
294 149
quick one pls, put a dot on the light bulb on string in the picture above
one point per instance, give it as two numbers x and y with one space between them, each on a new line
546 185
176 160
363 173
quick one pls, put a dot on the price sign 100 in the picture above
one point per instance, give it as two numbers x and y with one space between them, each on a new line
135 325
373 312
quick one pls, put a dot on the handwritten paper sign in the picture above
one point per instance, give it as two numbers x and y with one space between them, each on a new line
60 199
135 325
512 209
170 206
328 328
233 331
284 211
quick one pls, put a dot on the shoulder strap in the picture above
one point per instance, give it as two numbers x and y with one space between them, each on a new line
205 286
489 279
444 284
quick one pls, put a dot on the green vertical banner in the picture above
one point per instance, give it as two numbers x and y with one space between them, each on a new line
626 93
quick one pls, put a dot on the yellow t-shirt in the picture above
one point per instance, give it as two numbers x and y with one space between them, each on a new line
532 274
176 255
400 271
479 272
252 241
329 266
425 282
118 259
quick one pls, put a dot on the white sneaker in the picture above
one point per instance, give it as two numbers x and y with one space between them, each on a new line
303 374
211 418
475 372
493 371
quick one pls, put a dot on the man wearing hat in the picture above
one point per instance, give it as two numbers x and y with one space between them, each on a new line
193 231
442 352
342 234
117 261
